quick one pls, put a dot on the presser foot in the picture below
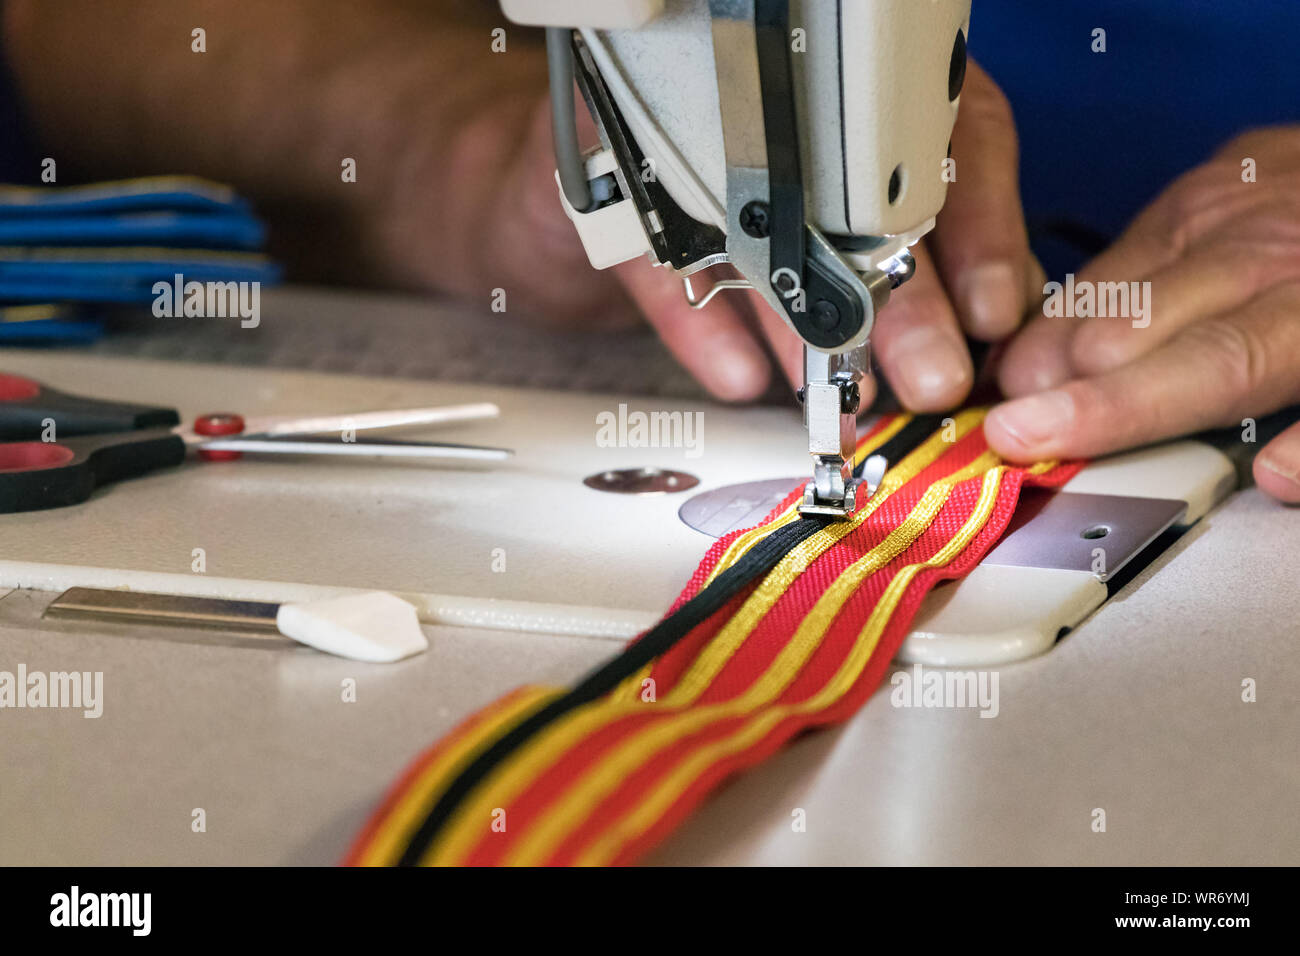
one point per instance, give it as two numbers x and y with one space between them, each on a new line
856 492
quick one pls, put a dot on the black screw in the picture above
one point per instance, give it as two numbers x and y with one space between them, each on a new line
799 394
850 398
895 183
825 314
957 67
756 219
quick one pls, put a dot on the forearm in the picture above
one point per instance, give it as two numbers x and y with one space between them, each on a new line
284 92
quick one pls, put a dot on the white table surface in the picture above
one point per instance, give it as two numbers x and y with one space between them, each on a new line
1138 711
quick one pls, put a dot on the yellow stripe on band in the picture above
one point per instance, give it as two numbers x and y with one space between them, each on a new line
584 794
512 777
737 549
650 809
415 802
779 579
631 689
896 425
742 545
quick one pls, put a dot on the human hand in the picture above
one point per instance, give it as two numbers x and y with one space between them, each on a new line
1219 340
455 191
974 271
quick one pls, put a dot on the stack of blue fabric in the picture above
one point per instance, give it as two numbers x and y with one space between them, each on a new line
69 253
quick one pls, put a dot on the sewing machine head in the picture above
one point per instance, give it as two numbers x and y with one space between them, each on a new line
802 142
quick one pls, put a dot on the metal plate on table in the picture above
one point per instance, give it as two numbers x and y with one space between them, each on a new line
1051 529
107 604
733 507
641 481
1078 532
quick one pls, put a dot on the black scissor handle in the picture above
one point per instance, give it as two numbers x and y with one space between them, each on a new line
26 405
36 474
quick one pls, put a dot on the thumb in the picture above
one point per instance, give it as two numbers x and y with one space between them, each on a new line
1277 466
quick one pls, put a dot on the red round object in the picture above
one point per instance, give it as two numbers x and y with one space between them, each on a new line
216 424
33 455
15 388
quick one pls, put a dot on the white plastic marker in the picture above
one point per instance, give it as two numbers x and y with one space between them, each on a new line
370 626
376 626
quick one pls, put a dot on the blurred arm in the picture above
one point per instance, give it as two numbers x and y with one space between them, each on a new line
284 92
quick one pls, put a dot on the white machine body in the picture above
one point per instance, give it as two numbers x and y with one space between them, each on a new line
803 142
872 79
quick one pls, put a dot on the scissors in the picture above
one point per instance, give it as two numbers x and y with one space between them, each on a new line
56 448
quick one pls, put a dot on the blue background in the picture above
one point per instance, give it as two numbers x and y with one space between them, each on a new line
1102 134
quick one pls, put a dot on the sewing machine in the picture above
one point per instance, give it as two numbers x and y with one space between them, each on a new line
524 574
721 142
529 574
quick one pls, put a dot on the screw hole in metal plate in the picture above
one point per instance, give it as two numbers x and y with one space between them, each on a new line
1095 532
641 481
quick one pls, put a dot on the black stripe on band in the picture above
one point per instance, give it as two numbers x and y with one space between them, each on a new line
910 437
760 559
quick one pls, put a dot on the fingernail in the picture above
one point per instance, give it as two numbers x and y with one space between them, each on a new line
1037 420
1282 470
990 297
932 372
